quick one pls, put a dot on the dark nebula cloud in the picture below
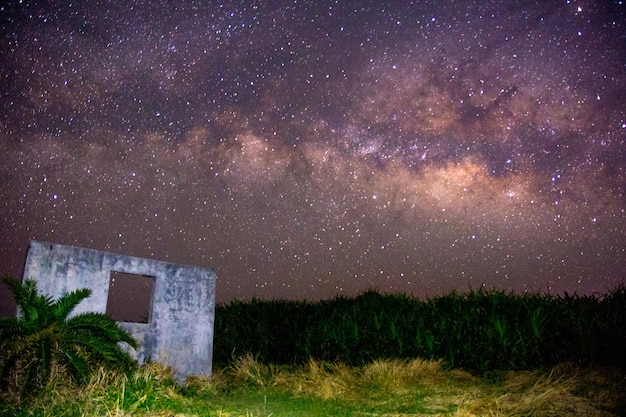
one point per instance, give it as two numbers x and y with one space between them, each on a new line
308 149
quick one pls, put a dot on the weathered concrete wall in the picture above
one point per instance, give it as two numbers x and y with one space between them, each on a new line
179 331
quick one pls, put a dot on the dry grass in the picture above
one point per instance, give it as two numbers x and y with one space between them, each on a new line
563 391
382 388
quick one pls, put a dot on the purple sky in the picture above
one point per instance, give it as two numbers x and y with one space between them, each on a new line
308 149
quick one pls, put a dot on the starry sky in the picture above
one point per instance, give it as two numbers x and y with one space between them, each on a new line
308 149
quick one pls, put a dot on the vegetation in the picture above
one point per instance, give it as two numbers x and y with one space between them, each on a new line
408 388
479 331
476 354
43 339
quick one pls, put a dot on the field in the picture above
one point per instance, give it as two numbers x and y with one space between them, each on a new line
478 331
484 353
382 388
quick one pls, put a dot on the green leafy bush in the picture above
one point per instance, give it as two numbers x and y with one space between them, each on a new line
44 338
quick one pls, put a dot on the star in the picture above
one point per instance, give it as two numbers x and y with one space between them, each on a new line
306 150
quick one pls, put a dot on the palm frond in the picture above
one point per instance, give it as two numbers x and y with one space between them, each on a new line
77 365
23 293
100 325
11 328
64 305
43 336
34 307
97 350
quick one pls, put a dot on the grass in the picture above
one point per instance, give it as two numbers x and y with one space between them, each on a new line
248 388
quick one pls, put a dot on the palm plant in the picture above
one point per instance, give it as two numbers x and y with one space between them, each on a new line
43 337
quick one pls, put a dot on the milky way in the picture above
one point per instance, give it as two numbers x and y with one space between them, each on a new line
310 149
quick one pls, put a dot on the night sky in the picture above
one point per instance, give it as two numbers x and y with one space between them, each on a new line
308 149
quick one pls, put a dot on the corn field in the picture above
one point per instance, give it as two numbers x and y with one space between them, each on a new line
479 331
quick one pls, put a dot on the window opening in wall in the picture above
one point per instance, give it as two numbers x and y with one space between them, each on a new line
130 297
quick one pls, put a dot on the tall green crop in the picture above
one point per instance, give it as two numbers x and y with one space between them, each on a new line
480 330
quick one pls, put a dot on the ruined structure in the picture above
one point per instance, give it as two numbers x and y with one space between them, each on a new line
179 328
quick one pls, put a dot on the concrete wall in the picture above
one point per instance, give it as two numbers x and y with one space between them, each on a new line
179 331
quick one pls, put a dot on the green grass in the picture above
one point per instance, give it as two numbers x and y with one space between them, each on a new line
247 388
